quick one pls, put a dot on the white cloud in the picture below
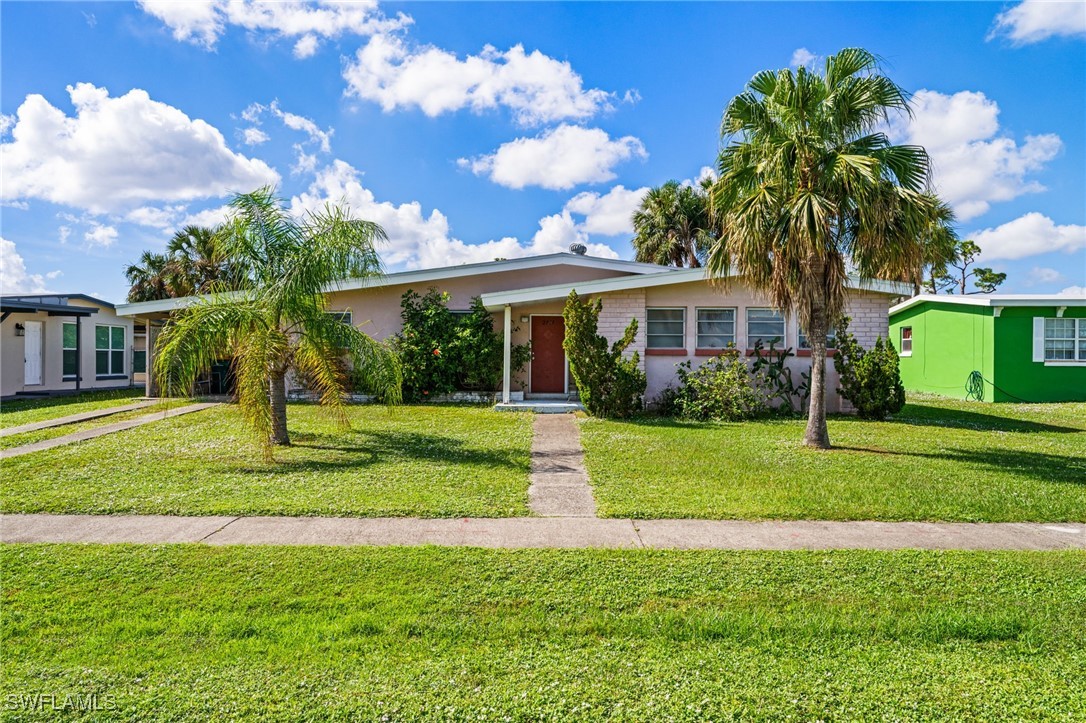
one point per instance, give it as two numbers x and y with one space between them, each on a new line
1036 20
559 158
155 217
1078 292
209 217
974 165
301 123
1029 235
1043 275
535 87
418 240
63 233
117 153
100 235
804 57
254 136
204 21
608 214
14 278
7 122
306 163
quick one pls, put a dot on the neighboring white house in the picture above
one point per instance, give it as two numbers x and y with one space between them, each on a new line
63 343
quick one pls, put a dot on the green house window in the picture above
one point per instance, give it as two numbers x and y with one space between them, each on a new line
69 352
108 350
1065 340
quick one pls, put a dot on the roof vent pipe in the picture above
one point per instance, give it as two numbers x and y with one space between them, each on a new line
578 248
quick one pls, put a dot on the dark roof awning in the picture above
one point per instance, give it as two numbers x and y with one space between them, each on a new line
26 306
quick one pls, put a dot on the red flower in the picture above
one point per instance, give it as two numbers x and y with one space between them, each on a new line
425 392
437 352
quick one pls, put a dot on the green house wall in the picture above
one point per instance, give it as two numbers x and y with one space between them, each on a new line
1017 376
950 341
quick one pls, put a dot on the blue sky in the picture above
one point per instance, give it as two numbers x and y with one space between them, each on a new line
477 130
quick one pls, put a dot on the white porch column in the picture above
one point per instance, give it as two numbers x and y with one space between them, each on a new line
507 375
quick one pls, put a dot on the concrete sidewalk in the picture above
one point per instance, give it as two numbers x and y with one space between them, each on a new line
75 418
104 429
525 532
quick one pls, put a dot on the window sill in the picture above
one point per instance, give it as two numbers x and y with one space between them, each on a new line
905 353
1066 363
716 352
666 352
109 377
69 378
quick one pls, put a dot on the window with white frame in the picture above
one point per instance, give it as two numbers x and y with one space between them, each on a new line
765 325
1065 340
715 328
70 351
831 339
108 350
666 328
906 340
345 317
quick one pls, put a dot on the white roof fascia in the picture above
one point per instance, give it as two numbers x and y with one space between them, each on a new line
992 300
493 267
497 300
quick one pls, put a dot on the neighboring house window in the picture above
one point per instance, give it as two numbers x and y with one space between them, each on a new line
108 350
716 328
831 339
766 325
346 317
70 352
1065 339
667 328
906 340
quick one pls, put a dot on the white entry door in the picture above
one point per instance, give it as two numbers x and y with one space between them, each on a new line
32 353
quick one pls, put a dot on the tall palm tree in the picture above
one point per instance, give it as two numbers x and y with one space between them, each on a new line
201 264
672 226
151 278
809 185
941 246
278 322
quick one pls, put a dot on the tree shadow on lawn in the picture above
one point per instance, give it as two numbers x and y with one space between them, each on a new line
919 415
364 449
1039 466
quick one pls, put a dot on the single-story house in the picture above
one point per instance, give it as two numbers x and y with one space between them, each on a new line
681 315
996 347
51 343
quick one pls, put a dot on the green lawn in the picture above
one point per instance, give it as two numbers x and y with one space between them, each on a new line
188 632
937 460
39 435
428 461
26 411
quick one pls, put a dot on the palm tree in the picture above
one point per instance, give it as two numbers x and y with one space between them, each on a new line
151 278
198 255
278 322
941 246
672 226
808 186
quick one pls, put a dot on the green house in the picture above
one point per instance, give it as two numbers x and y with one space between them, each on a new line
995 348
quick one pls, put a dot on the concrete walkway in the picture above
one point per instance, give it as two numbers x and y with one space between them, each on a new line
558 481
75 418
525 532
103 430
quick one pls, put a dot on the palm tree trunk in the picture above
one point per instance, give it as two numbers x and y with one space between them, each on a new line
278 397
817 434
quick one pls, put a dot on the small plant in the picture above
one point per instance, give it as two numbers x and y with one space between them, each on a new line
610 385
443 352
770 370
870 379
722 389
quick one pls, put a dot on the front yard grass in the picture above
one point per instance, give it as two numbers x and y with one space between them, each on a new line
937 460
27 411
193 632
40 435
424 461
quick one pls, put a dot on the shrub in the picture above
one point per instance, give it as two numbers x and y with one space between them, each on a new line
870 379
610 385
723 388
443 352
774 378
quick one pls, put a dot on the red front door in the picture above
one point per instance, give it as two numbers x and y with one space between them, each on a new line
548 357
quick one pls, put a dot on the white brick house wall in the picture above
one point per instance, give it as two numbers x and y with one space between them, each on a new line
619 307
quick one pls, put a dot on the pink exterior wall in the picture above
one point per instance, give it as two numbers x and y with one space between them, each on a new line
869 314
